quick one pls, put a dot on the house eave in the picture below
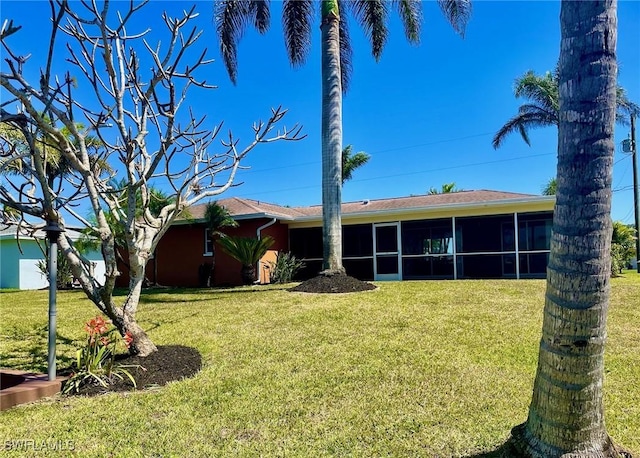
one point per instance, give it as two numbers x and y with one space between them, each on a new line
436 208
245 217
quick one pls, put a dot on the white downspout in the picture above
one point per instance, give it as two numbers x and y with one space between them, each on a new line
259 236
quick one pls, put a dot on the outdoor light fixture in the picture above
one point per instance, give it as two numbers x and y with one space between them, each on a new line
53 231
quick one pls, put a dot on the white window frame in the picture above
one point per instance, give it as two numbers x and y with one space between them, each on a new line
207 242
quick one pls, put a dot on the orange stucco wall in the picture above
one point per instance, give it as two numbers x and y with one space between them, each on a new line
180 254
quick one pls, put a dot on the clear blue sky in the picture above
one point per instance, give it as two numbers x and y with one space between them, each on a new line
425 114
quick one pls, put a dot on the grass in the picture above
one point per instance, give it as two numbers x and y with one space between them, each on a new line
411 369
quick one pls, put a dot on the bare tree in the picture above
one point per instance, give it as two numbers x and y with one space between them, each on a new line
147 133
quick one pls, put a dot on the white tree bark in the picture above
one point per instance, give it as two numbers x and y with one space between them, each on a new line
331 140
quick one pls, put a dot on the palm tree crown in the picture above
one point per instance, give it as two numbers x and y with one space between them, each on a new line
351 162
233 16
543 106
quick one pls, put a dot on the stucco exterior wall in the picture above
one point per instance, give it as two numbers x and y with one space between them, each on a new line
181 252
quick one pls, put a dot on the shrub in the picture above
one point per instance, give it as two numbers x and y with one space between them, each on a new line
285 267
248 251
64 278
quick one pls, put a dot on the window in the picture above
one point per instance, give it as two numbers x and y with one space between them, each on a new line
306 243
425 267
208 243
484 234
534 235
357 241
427 237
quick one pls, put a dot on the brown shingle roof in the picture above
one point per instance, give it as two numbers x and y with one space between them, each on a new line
421 201
248 208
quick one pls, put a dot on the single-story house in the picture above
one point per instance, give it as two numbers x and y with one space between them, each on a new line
20 253
466 234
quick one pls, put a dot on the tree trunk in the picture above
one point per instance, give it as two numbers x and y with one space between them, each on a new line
566 415
248 274
331 138
142 344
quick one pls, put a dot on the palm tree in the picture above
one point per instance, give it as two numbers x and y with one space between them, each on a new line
549 189
566 415
445 189
248 251
233 16
351 162
218 217
542 108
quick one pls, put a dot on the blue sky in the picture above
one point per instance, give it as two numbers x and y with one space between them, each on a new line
425 114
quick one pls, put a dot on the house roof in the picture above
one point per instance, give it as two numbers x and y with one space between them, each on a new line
250 209
10 232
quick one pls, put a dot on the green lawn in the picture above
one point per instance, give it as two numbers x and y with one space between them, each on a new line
440 368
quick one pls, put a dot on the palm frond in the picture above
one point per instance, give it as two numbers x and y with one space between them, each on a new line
230 17
624 107
543 90
346 52
411 15
217 217
457 13
352 162
372 16
246 250
297 16
521 123
261 15
550 117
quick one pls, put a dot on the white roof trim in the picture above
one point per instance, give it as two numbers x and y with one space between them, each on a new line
433 208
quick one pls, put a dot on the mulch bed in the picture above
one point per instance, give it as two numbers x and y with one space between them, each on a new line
338 283
169 363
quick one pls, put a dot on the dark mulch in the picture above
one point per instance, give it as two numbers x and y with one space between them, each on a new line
169 363
337 283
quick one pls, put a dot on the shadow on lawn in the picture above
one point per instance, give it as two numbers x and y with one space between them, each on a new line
150 293
157 324
32 356
504 451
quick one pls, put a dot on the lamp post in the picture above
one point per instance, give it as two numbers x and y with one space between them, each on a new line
630 146
634 158
53 231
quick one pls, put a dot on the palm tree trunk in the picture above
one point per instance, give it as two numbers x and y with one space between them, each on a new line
331 138
566 415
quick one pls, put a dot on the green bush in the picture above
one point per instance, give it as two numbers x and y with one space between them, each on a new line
248 251
285 267
64 278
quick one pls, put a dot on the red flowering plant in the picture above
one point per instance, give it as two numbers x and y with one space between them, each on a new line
95 361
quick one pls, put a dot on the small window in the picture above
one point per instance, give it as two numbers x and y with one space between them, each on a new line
208 243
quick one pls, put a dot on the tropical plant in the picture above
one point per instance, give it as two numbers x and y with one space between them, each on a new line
549 189
248 251
218 217
351 162
566 414
64 276
445 189
623 246
542 107
232 17
95 362
285 267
